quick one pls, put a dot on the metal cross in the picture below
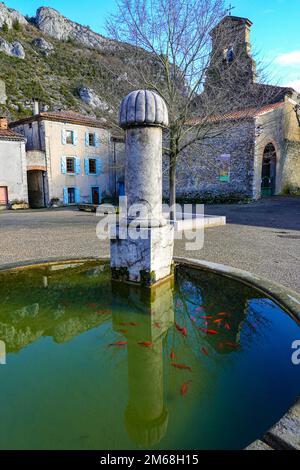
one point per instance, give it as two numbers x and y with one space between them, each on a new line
230 8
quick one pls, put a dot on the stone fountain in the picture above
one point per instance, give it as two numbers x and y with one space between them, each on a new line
142 250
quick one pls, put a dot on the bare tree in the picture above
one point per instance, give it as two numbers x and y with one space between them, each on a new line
175 37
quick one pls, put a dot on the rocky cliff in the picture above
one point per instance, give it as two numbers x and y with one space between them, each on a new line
10 16
64 65
52 23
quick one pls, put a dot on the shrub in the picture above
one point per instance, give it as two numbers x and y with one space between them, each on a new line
5 27
17 25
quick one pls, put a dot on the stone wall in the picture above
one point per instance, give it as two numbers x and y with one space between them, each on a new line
198 168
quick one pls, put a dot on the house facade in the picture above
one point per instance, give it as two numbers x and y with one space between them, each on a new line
13 178
68 158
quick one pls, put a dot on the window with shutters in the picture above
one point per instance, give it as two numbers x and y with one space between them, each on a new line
70 161
69 137
92 139
92 166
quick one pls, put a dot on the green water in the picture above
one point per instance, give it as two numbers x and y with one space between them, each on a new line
64 386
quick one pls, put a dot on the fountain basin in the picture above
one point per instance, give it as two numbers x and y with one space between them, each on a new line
70 382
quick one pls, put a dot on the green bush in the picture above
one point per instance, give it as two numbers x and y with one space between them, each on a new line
17 25
5 27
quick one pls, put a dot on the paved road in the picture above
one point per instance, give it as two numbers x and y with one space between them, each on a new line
262 237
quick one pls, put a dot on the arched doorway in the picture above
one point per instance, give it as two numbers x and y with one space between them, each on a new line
268 174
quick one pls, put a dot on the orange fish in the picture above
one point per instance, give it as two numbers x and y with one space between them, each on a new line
207 317
92 305
118 343
199 308
172 355
227 326
218 320
184 388
181 366
146 344
232 345
223 314
208 332
204 350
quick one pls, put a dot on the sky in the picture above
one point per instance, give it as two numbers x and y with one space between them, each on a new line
274 35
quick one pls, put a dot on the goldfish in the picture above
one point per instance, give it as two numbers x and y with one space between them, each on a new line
178 327
223 314
146 344
218 320
232 345
207 317
181 366
172 355
184 387
118 343
204 350
92 305
208 332
227 326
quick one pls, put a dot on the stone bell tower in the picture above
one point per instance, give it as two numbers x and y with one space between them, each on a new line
231 64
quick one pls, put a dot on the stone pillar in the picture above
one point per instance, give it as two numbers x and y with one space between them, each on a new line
147 258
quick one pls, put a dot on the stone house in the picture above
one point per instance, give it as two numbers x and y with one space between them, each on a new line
13 180
68 158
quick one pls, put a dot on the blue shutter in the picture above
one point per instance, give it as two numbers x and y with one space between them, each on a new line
77 195
77 166
63 165
63 137
97 140
75 138
86 166
98 166
66 196
87 140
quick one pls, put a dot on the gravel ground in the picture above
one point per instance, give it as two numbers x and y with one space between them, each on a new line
262 237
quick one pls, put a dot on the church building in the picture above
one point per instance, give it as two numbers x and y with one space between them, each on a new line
249 138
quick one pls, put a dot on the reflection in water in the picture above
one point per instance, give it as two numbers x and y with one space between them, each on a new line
147 315
196 356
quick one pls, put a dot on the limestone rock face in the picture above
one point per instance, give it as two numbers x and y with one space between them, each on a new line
9 16
3 96
43 45
52 23
91 98
14 49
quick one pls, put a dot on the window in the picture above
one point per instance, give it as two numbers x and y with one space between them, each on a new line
70 164
69 137
71 195
92 166
92 140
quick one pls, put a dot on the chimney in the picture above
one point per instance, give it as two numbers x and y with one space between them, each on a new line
3 123
36 107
